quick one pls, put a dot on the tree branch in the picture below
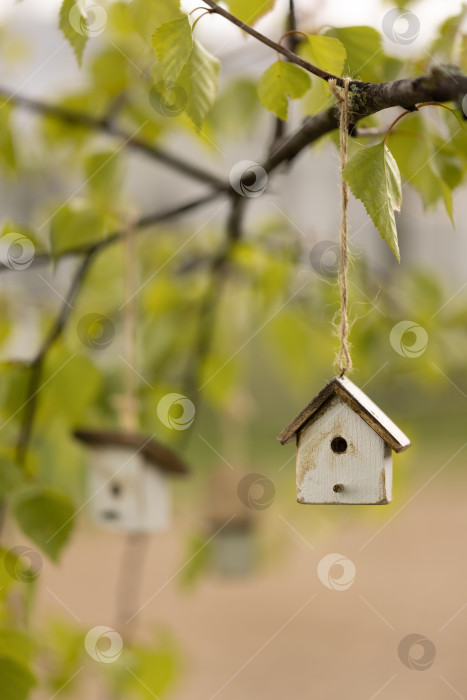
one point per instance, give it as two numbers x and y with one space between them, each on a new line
82 119
90 252
210 304
292 57
36 367
442 85
116 236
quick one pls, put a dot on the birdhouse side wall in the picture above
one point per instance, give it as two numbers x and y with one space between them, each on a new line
363 471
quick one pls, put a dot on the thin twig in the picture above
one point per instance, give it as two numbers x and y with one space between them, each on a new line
292 57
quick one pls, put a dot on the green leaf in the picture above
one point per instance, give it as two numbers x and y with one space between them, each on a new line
198 79
173 44
198 558
72 22
74 376
365 55
413 152
103 176
149 15
374 178
16 645
16 680
325 52
7 149
249 11
46 517
75 224
10 475
278 81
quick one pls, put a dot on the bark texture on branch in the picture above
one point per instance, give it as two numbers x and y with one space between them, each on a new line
442 85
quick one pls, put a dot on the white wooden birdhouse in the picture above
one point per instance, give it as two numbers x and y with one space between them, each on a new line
344 447
127 480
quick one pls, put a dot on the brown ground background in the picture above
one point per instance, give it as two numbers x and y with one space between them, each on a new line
244 638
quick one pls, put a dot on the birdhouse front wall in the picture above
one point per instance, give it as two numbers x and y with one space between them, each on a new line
355 469
126 493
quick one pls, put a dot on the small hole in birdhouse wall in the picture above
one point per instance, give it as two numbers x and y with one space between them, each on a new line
115 488
338 444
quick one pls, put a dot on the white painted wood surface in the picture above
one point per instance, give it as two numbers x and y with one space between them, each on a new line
126 493
364 469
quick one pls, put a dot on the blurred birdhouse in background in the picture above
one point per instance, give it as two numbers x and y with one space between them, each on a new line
127 481
234 546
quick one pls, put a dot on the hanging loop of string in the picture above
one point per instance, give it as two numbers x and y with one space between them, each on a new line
343 360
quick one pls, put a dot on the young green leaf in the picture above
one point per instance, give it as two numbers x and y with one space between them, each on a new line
277 82
10 475
198 80
173 44
374 178
325 52
365 56
73 225
72 22
46 517
7 149
249 10
16 680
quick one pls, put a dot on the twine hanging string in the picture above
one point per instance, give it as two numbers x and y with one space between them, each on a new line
129 400
343 360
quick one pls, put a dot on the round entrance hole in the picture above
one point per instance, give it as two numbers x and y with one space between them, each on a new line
338 444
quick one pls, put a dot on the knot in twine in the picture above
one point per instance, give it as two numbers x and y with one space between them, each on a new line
343 359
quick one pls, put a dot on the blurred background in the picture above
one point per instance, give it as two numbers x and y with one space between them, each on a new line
227 602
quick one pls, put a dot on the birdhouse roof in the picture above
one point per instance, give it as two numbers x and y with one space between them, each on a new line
358 402
153 451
